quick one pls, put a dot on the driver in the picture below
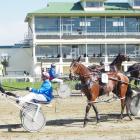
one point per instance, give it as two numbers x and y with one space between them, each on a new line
53 75
44 93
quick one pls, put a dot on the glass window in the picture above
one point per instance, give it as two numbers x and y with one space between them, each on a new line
94 4
73 51
136 2
95 50
47 51
132 50
131 24
94 24
40 24
78 24
113 49
102 24
66 25
74 24
47 24
115 24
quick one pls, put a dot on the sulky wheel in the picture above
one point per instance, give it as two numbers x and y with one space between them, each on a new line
32 123
135 105
25 107
64 91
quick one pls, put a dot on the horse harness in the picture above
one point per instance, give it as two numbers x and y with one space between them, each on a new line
96 77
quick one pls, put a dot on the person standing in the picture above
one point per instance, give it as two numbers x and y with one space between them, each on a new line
1 70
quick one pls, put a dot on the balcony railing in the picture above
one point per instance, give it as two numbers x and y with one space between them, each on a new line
91 59
95 35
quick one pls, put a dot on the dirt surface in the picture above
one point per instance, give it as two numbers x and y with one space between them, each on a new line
65 121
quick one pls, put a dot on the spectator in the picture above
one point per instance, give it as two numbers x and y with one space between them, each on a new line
1 70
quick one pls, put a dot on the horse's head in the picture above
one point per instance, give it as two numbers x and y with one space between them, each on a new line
74 68
119 59
123 57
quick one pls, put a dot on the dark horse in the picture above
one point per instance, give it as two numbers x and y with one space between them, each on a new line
116 65
117 62
134 71
91 87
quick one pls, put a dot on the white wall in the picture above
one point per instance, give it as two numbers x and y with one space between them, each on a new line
20 59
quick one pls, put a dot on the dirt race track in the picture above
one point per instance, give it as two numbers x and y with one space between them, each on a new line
65 122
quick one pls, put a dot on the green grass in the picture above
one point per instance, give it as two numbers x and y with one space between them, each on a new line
13 85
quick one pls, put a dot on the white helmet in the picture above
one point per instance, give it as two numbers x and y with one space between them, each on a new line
46 74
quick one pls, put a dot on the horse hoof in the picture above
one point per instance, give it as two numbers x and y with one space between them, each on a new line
121 117
98 119
130 118
84 125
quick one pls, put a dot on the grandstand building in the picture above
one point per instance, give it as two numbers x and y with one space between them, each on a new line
93 29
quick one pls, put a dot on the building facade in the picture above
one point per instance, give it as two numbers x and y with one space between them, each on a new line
18 57
90 28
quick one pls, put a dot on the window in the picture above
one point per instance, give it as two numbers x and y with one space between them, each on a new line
136 2
47 51
115 24
78 24
47 24
95 24
94 4
113 49
131 24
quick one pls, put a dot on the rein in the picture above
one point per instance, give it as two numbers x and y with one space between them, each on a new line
13 87
106 100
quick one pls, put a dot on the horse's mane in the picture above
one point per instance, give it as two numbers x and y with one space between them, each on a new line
115 61
86 69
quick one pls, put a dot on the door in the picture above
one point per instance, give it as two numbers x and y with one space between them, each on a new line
75 51
66 29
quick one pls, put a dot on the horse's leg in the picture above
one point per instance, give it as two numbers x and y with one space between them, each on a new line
128 99
135 82
86 114
96 111
122 108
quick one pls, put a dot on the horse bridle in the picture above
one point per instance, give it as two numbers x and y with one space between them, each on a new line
71 69
76 75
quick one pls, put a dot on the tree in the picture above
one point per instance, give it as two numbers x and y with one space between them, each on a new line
5 63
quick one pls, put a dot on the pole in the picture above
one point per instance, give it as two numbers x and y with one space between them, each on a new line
86 57
107 68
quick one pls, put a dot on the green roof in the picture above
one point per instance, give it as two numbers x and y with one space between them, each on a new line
75 9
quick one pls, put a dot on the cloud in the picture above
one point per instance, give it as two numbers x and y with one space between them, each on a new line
12 32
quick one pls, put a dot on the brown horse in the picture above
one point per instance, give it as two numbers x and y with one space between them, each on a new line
91 87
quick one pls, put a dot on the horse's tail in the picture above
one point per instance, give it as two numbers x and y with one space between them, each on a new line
129 92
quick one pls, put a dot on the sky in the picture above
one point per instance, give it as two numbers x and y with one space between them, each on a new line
12 16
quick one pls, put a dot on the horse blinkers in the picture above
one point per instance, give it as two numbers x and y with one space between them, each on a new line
73 70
